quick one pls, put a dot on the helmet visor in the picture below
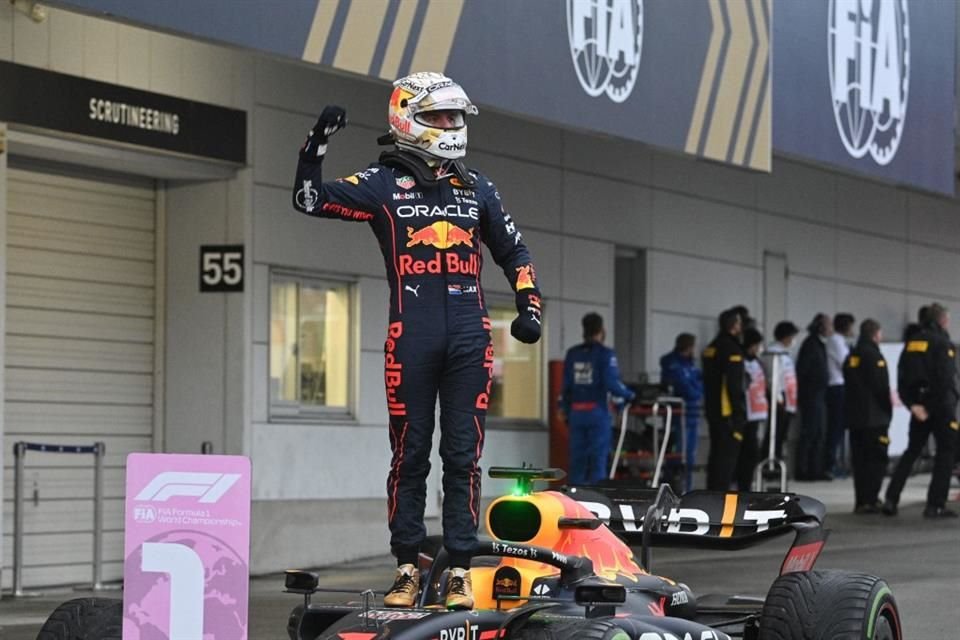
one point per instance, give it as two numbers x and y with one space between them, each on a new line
441 118
449 97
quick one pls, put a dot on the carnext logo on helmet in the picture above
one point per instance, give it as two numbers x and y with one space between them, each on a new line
444 146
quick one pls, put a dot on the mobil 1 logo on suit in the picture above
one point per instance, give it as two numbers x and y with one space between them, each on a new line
868 47
221 267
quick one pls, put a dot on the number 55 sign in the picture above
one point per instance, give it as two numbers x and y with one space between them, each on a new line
221 267
186 547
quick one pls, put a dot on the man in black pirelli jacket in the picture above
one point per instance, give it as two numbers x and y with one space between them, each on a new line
927 383
867 409
724 386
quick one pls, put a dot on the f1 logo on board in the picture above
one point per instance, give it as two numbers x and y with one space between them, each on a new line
868 47
606 38
207 487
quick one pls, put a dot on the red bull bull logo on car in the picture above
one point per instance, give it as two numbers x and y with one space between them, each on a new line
441 235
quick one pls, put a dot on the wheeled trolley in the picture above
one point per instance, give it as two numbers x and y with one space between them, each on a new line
646 457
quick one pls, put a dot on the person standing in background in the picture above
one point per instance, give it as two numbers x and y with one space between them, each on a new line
724 400
590 375
758 409
812 379
867 409
837 350
786 401
927 384
679 370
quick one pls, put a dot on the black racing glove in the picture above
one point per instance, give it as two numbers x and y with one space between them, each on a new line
526 326
330 121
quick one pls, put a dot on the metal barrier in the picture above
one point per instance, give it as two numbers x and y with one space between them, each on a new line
98 449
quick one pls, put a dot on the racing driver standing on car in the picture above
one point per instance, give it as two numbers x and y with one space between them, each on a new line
430 215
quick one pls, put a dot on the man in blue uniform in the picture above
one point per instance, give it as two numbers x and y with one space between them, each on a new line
430 215
590 374
679 370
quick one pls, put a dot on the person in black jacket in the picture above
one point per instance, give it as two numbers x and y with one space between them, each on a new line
724 400
867 409
927 383
812 379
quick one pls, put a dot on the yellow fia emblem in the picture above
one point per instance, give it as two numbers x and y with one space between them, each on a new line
918 346
736 358
854 362
955 425
881 363
952 353
710 352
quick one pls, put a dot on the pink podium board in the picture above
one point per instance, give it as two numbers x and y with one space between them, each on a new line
186 547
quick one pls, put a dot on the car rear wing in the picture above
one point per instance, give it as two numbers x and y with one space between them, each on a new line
708 520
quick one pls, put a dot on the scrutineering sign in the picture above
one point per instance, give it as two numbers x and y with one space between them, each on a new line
187 547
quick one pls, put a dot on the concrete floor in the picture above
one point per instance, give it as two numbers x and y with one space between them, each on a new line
920 559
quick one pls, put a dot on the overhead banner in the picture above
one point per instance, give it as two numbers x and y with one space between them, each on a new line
868 85
66 103
691 76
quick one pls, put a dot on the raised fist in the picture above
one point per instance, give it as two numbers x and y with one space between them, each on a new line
330 121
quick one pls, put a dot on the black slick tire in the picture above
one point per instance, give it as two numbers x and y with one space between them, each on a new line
85 619
829 605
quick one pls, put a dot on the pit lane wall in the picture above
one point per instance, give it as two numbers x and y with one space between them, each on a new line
702 228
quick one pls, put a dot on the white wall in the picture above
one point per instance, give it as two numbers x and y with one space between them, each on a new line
851 244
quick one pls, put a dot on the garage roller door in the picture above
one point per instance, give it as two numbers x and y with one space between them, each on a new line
79 359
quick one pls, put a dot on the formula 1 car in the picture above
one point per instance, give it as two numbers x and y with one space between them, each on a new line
560 566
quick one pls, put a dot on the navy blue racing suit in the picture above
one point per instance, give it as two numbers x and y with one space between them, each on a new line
590 374
430 231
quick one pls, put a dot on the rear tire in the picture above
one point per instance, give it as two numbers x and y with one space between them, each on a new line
829 605
85 619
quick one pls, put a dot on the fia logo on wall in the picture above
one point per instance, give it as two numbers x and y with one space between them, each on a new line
606 38
868 45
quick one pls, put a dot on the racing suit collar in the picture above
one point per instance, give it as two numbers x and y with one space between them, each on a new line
422 172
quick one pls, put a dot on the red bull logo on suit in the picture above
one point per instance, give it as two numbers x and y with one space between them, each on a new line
454 264
441 235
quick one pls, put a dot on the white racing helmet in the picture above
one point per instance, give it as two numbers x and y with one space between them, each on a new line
428 91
